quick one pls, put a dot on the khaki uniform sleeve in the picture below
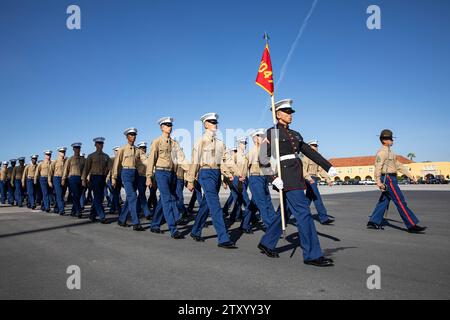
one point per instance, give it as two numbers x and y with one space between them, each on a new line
244 167
37 173
86 169
13 175
24 176
51 171
66 169
380 159
180 157
195 163
306 174
403 169
117 164
152 158
324 174
224 168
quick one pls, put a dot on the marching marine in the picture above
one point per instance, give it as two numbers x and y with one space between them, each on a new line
312 172
292 184
386 168
3 181
94 174
258 181
207 161
55 180
73 168
41 177
125 165
16 181
165 155
28 181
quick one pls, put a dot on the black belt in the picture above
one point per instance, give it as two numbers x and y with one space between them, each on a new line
389 174
164 169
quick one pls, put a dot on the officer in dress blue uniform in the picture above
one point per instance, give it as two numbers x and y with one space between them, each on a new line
292 184
386 167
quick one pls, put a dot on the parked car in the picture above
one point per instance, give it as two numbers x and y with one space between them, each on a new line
322 183
367 182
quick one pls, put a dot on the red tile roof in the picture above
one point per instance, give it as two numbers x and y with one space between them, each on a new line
361 161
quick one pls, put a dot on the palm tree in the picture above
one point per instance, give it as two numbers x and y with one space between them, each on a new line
411 156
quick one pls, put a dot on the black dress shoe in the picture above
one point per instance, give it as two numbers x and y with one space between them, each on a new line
138 227
177 235
320 262
417 229
79 216
124 224
197 238
374 226
247 231
155 230
227 245
268 252
148 218
328 222
104 221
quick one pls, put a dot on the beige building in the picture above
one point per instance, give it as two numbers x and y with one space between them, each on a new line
362 168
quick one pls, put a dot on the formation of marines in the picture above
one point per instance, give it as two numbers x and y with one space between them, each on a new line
212 166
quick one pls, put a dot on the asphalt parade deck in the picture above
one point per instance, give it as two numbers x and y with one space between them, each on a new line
117 263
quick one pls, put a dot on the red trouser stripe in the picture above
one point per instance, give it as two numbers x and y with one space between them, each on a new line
400 202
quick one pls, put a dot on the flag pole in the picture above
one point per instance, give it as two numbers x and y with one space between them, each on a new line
277 152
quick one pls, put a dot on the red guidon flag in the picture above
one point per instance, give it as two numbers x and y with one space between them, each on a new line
264 79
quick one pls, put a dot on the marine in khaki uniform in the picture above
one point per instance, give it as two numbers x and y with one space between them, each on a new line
226 183
258 182
238 176
41 177
142 171
3 181
207 160
28 181
125 166
386 168
10 181
114 191
165 155
94 174
55 180
73 168
180 173
312 172
16 180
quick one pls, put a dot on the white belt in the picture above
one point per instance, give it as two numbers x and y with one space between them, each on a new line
289 157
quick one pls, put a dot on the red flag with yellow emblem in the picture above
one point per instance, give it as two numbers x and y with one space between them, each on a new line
264 79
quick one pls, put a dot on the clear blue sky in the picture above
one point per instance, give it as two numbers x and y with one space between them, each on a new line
134 61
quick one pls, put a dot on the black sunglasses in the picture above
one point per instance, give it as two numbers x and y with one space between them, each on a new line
212 121
167 124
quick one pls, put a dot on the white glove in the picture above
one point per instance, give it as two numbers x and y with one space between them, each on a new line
332 172
278 183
